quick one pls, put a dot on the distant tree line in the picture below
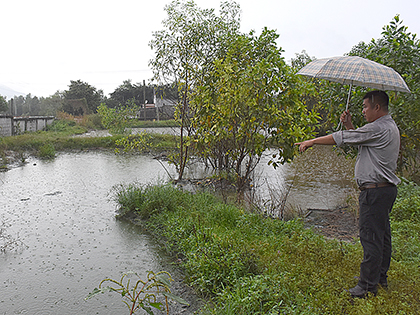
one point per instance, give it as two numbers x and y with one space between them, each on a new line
82 98
3 104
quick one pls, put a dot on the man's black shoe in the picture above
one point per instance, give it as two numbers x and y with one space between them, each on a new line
361 293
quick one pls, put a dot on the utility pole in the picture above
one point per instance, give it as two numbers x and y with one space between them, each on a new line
155 101
12 109
144 99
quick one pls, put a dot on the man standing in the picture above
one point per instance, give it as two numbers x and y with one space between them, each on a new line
378 144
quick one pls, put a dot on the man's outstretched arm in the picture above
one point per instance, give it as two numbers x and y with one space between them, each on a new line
326 140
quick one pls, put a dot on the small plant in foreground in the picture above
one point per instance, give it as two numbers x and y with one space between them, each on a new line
144 294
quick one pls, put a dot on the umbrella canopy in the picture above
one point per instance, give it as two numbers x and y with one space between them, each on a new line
353 70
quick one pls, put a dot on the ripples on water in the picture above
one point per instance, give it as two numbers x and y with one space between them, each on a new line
319 179
60 210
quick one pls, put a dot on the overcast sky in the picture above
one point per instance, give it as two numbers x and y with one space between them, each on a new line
47 43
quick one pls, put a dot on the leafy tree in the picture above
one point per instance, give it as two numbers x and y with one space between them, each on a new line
18 102
49 106
400 50
26 105
3 104
33 104
185 49
128 94
318 93
81 90
116 120
247 103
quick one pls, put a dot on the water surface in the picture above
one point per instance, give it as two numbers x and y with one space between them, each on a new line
60 210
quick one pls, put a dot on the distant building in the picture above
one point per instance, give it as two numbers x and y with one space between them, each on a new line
161 109
161 102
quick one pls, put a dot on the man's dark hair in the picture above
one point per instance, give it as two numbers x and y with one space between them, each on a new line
378 97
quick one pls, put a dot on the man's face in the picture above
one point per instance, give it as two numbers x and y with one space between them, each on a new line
369 111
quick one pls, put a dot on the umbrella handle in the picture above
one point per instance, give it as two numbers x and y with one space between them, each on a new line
340 125
348 97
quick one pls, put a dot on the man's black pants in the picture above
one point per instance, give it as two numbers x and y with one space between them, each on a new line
375 234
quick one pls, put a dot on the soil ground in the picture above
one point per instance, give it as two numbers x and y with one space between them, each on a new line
339 223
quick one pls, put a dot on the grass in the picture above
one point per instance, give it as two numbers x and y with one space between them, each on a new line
249 264
60 136
33 141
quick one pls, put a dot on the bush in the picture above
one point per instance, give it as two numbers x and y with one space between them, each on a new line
92 121
407 205
146 200
68 127
47 151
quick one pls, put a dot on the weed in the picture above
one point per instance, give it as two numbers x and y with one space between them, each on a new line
146 200
144 294
47 151
407 205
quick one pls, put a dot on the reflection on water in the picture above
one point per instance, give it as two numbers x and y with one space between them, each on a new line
323 179
319 178
60 209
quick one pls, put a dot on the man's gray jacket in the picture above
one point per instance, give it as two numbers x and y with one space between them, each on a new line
379 144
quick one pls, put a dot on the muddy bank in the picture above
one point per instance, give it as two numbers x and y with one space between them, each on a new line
339 223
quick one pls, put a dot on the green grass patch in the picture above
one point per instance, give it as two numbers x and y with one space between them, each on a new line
66 128
62 135
249 264
34 141
47 151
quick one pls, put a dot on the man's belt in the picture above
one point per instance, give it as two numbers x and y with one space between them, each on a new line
377 185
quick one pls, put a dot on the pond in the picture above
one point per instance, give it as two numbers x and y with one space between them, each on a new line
62 213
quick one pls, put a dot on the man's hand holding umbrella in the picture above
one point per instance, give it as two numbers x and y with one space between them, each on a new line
345 119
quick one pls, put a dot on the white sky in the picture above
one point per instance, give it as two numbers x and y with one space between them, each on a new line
47 43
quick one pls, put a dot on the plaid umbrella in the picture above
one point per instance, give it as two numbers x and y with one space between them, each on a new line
355 70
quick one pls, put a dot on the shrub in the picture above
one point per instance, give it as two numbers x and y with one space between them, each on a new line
47 151
66 127
407 205
92 121
145 200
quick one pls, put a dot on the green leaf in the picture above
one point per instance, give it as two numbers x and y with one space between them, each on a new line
146 308
101 290
175 298
164 278
156 305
